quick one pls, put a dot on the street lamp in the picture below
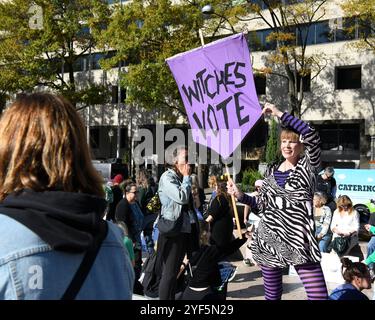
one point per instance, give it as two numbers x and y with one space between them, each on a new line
208 11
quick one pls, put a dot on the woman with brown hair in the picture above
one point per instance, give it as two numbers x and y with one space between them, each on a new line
52 208
357 278
345 223
220 217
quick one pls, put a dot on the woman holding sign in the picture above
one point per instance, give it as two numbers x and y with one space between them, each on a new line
286 232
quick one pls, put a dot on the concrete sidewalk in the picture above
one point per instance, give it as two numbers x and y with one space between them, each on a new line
248 283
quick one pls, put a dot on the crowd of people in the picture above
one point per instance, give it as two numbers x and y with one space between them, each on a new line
83 239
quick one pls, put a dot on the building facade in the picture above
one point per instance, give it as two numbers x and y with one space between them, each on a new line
339 102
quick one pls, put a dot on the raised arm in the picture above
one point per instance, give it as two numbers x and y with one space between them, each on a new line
309 137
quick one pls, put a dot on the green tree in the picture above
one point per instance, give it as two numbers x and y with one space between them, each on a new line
42 40
273 143
364 12
144 34
248 180
290 23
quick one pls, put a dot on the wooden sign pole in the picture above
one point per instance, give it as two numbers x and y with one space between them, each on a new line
235 209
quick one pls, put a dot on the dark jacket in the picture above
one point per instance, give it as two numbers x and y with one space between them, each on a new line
124 213
347 292
222 224
117 196
205 263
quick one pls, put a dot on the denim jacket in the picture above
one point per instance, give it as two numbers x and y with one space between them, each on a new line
173 194
31 270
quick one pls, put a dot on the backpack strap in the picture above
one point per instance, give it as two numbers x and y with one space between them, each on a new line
86 264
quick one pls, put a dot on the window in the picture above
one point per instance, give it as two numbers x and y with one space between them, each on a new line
339 136
260 84
304 31
306 82
346 31
124 143
348 77
79 64
260 3
268 45
323 32
254 39
366 28
258 40
115 94
94 138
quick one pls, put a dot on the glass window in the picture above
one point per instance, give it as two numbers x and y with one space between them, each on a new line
79 64
254 39
306 82
323 32
348 77
365 28
304 31
260 3
267 44
84 31
346 31
260 84
94 138
336 136
124 143
95 60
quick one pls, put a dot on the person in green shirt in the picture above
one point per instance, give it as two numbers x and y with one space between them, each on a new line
371 258
128 243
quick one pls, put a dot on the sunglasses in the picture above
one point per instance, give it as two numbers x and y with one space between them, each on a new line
345 207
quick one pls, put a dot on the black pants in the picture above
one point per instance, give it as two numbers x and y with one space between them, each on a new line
171 250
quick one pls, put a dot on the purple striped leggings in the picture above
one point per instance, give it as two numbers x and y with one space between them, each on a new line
311 275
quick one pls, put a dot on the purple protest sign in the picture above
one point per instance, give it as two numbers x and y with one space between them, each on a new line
217 87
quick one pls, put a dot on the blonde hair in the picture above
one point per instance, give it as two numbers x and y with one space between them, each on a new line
343 201
289 135
142 178
212 181
43 147
322 198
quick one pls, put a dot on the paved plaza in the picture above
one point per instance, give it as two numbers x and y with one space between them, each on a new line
248 283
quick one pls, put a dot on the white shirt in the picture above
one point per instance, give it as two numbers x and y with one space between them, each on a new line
347 223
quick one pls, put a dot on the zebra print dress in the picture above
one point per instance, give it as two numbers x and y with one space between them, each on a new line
285 234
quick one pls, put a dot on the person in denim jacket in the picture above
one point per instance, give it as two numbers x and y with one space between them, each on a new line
175 197
323 218
52 207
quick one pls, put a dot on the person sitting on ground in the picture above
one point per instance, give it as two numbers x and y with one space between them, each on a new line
323 216
203 271
345 223
357 278
326 183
